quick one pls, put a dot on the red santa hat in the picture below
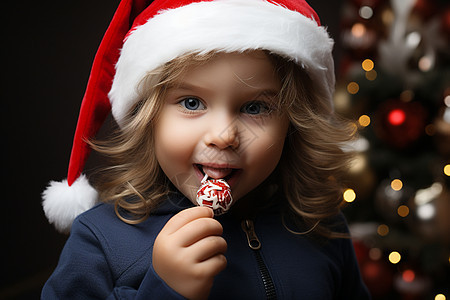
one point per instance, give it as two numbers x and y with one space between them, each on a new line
142 37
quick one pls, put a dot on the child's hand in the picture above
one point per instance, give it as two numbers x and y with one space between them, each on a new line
189 252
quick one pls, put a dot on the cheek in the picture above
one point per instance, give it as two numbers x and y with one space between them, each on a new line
267 152
264 153
168 145
175 142
269 140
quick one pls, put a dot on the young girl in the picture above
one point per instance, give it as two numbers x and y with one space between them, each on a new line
239 90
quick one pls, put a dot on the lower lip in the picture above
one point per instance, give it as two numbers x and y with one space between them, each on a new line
232 181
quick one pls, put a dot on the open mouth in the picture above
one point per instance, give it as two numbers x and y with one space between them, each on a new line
217 172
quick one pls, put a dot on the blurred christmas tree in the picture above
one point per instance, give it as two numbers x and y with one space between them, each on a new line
394 81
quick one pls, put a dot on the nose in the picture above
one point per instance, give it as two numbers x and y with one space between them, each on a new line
223 133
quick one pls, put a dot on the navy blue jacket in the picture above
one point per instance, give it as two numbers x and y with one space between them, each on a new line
105 258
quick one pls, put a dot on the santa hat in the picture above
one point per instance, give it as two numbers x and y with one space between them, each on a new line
142 37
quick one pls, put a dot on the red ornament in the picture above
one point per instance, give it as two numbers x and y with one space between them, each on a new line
378 277
361 252
396 117
426 9
400 124
408 275
412 285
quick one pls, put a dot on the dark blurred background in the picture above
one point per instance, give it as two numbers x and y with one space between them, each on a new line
50 48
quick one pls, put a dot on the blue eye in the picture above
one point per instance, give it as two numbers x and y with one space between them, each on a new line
255 108
192 104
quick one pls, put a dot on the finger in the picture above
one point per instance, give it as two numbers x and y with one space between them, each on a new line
196 230
186 216
207 248
212 266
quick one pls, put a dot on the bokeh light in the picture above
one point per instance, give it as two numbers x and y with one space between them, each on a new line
364 120
375 253
408 275
403 211
447 100
371 75
358 30
447 170
366 12
383 230
349 195
353 88
426 212
396 184
367 65
413 39
406 95
425 63
396 117
440 297
395 257
387 17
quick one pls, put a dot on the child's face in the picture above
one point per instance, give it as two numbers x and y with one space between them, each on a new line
220 119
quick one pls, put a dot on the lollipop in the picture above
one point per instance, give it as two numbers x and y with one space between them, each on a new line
216 194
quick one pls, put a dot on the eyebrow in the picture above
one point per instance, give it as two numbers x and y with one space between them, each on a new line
185 86
268 92
271 93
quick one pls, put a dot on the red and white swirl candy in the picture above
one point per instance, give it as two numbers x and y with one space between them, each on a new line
215 194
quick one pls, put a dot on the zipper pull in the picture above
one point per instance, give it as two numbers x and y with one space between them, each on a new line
249 229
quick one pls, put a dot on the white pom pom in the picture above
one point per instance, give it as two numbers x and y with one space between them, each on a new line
63 203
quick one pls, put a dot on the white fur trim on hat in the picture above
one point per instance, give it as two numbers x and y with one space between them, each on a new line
219 26
63 203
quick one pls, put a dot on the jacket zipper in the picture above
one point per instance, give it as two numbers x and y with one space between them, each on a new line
255 245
